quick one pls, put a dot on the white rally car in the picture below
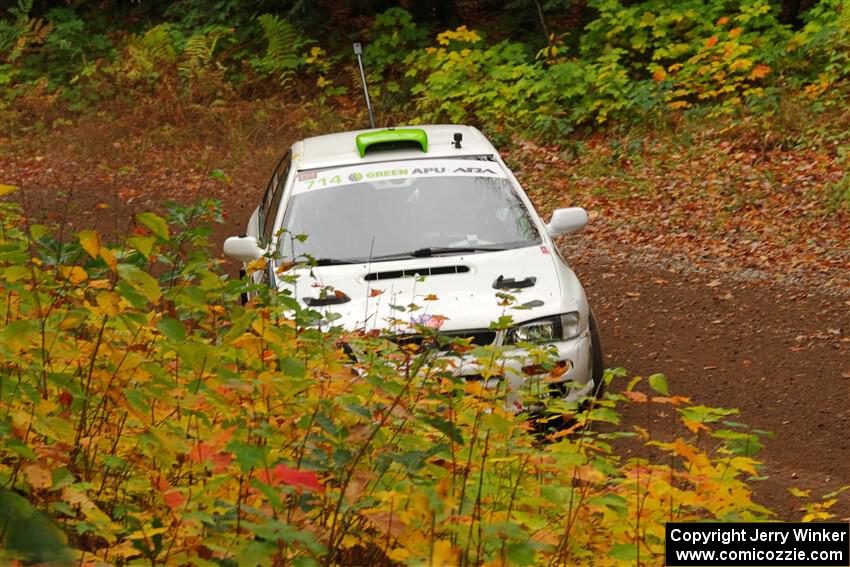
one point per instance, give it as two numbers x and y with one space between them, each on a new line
428 216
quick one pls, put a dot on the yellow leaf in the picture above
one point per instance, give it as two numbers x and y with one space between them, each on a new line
444 555
745 464
817 516
256 266
109 303
799 493
38 476
74 274
6 189
90 241
109 258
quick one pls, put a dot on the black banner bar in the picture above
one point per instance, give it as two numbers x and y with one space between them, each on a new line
758 543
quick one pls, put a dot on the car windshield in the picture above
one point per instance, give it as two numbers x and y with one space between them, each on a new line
407 209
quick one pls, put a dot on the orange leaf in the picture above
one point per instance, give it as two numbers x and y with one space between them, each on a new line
694 426
638 397
431 297
759 71
223 437
659 74
683 449
38 476
375 292
173 499
712 41
221 461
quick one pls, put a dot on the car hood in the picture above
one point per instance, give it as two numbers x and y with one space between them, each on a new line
384 294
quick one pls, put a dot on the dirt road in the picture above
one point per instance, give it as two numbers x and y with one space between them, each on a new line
780 355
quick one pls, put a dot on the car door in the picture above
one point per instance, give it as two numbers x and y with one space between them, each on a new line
269 211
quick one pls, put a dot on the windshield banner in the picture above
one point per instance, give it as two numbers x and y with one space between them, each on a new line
371 172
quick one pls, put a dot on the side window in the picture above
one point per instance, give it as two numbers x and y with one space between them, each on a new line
271 200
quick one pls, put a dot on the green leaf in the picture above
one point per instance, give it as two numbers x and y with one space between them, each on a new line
520 554
293 367
144 244
173 329
28 534
155 223
142 281
446 427
658 382
248 456
129 293
256 553
624 552
15 273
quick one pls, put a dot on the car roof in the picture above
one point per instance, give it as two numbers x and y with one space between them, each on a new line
341 148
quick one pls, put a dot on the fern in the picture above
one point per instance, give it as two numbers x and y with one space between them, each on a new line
145 53
284 43
157 44
199 49
14 37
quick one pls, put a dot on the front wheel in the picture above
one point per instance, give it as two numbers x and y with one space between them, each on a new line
597 361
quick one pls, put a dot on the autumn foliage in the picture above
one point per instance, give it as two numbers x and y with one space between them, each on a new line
146 416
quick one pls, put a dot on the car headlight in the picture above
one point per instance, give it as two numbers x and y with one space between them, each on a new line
546 330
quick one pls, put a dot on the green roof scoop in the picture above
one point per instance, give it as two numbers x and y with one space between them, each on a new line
392 139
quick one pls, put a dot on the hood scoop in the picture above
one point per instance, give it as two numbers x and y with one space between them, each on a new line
412 272
510 283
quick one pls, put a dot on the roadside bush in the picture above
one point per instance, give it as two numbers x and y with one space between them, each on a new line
146 416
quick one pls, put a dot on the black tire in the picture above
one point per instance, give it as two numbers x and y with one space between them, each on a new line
597 361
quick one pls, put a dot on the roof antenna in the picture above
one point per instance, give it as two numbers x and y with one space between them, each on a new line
457 139
358 51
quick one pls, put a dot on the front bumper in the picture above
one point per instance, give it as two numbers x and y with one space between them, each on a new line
507 374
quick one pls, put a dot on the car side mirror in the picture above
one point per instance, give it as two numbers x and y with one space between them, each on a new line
243 248
565 221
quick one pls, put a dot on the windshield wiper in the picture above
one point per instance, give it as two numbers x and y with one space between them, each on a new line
435 250
338 261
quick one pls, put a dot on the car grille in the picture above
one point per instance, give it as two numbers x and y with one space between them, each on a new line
479 337
476 337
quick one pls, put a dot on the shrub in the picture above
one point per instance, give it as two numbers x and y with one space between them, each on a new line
146 415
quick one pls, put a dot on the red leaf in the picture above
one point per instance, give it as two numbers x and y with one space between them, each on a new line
173 499
302 479
221 461
65 398
201 452
375 292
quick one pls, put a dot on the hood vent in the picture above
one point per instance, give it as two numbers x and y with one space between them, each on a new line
411 272
510 283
